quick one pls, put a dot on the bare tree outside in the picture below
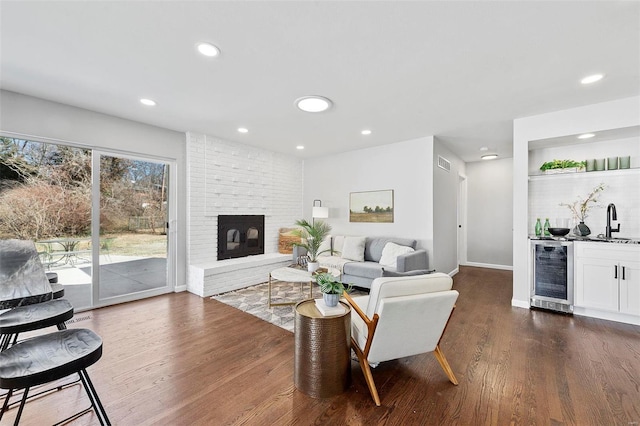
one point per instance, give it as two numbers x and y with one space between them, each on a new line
45 192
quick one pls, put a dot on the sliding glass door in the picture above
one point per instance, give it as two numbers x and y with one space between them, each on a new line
131 212
98 219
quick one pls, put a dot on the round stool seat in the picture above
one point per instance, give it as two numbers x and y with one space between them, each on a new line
36 316
58 291
48 357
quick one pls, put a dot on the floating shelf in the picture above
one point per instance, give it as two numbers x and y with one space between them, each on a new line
578 175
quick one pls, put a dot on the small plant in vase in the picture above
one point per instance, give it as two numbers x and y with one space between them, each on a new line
331 288
312 235
580 208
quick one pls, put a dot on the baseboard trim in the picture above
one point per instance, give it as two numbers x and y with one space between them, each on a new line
488 265
520 304
180 288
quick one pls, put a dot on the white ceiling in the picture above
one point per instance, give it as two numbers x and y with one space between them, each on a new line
461 71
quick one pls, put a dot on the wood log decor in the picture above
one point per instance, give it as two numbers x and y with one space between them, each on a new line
286 240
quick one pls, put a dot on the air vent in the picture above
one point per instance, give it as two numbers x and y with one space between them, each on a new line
443 163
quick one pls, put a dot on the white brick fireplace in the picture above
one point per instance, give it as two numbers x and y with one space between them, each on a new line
234 179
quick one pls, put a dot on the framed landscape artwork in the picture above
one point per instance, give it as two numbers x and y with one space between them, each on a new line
371 206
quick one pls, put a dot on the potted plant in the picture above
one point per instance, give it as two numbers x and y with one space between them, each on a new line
562 166
579 209
312 235
331 288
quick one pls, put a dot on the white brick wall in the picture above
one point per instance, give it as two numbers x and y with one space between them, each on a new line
230 178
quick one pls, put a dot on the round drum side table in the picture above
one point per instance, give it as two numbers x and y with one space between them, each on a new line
322 358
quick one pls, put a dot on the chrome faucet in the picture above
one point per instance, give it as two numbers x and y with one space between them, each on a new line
611 215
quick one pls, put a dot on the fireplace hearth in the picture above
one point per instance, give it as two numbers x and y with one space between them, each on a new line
240 236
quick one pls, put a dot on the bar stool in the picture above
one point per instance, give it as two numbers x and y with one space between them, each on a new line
58 289
50 357
33 317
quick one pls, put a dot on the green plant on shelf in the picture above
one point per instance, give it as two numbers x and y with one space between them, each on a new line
563 164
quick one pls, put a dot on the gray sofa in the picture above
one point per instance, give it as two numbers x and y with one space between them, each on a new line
361 274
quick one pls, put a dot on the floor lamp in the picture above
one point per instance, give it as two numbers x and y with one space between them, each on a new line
318 211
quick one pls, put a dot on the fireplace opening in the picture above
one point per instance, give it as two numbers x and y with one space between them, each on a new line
240 236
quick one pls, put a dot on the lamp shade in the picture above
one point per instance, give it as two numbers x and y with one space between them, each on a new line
320 212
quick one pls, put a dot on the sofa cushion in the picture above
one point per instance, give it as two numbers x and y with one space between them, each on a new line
363 269
353 248
386 273
391 252
374 246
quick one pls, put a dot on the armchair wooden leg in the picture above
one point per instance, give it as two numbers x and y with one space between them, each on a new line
366 370
445 365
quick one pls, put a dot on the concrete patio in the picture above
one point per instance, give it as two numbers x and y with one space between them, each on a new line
119 275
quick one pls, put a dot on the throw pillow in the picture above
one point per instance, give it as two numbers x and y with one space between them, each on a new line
338 243
406 274
390 254
353 248
325 247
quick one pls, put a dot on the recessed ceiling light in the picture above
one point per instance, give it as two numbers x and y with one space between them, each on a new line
148 102
586 136
300 147
243 130
592 78
489 156
366 132
313 103
208 49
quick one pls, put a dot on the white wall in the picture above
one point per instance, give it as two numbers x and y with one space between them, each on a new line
490 218
445 209
37 119
406 167
592 118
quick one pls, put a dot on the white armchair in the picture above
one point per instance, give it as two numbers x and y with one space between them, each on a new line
401 317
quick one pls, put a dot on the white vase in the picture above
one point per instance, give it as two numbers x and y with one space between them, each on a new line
312 266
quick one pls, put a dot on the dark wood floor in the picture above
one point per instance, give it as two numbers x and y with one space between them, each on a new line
182 360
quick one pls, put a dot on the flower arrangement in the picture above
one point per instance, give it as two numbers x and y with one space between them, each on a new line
580 207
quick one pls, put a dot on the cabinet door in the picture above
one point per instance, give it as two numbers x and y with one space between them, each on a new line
630 288
596 285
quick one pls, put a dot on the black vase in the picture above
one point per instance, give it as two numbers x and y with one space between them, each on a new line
582 230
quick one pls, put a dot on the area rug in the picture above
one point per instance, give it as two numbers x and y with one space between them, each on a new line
253 300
